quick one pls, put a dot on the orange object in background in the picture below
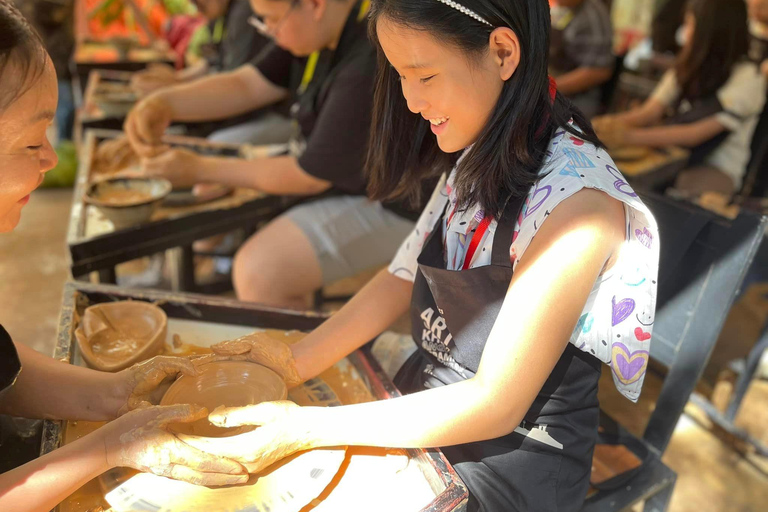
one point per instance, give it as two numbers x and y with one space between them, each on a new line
117 20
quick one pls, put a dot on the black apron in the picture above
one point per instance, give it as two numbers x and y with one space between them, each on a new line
546 463
691 112
318 76
10 365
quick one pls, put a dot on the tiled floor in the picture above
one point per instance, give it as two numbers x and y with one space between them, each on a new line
712 477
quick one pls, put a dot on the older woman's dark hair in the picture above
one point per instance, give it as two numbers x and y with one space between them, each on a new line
720 40
507 157
22 55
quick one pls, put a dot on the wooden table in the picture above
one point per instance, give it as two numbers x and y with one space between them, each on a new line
91 113
96 246
213 319
655 171
90 55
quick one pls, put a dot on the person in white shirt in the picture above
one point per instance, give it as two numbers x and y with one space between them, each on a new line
710 102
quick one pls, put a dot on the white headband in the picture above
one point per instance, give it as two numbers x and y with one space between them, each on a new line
468 12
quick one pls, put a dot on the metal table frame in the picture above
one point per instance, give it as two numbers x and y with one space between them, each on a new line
103 252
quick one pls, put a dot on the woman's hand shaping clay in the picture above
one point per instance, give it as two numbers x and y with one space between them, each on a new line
140 440
144 384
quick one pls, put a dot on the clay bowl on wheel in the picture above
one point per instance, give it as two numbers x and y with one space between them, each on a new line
228 384
116 335
127 201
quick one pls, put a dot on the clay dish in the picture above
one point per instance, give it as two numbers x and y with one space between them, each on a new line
629 153
228 384
127 201
115 335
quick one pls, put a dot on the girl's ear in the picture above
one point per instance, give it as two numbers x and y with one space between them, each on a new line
505 50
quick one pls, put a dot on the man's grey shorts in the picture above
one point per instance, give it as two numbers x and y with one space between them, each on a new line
350 234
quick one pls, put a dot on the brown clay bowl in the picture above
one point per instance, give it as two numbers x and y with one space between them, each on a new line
127 201
228 384
115 335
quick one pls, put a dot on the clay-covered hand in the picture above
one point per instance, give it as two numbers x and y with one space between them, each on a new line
260 348
179 166
144 384
612 132
140 440
145 125
278 434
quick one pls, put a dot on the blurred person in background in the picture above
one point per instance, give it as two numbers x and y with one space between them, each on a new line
710 102
580 53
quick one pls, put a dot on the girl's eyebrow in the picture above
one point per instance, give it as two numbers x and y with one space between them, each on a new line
45 115
416 66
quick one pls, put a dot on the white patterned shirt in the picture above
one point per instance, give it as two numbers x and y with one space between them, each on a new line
616 323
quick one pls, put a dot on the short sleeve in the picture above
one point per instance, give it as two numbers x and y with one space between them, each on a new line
668 90
275 64
404 264
742 96
10 365
337 147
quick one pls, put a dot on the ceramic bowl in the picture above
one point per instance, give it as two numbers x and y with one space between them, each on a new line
127 201
116 335
228 384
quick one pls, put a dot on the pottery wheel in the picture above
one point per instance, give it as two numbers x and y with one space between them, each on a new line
286 486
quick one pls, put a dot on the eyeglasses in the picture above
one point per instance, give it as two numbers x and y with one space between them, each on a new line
264 26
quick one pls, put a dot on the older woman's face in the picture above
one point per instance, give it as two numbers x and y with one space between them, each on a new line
25 153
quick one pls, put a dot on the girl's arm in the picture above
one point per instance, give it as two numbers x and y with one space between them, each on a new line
651 112
545 298
374 308
367 314
685 135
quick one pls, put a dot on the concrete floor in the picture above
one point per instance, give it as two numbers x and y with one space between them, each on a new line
34 268
712 476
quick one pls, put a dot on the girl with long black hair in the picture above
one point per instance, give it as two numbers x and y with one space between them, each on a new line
532 264
710 102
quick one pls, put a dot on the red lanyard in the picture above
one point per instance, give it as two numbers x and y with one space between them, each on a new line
483 226
479 232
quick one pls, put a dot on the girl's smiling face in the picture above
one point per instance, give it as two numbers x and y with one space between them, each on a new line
25 152
454 92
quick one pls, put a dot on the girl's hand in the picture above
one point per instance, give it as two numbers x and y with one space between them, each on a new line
279 434
140 440
613 133
258 348
144 384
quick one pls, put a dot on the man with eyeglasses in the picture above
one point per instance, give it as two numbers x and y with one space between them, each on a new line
323 62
